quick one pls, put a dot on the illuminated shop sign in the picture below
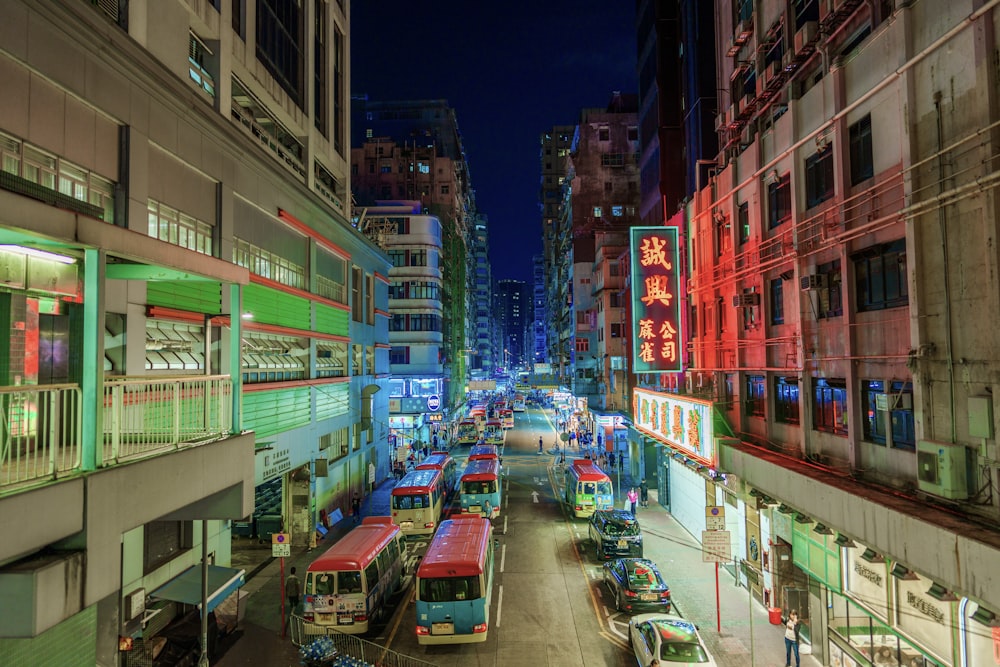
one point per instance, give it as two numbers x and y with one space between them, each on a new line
683 424
656 320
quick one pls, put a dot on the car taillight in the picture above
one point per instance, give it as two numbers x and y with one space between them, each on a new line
665 595
479 627
423 630
361 618
630 594
429 525
308 617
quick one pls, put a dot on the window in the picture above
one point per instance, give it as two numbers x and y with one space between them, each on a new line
598 211
883 409
603 133
880 277
633 133
319 67
267 264
862 160
744 222
754 401
720 225
830 405
239 18
162 541
425 322
819 177
170 225
279 43
198 55
830 294
612 160
370 299
786 400
779 201
777 301
398 259
399 355
417 257
616 330
356 303
582 345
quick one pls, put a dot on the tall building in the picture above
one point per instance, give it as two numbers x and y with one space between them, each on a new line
539 314
197 333
483 358
839 401
554 165
412 150
413 241
513 316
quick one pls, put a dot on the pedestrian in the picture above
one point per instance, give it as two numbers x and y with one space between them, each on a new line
488 509
633 498
644 493
539 444
356 508
293 589
792 627
435 441
611 460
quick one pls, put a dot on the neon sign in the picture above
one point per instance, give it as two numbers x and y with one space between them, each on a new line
656 346
684 424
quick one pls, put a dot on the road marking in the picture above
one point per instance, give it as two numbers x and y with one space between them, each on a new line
505 517
499 606
534 497
503 556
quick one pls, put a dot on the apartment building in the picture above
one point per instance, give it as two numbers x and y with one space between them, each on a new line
839 397
197 334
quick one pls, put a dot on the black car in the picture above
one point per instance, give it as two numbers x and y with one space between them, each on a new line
615 534
637 585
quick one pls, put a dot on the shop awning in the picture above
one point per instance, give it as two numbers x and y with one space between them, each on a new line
186 586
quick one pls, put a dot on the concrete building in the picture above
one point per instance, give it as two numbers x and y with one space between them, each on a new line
839 396
538 342
197 334
554 165
483 354
511 311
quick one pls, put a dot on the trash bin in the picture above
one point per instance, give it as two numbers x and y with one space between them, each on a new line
774 615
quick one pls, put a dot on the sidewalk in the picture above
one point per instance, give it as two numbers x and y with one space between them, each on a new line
259 641
746 639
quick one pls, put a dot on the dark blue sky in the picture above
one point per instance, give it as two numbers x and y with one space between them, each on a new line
511 71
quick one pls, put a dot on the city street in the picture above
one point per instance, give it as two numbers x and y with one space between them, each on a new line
550 606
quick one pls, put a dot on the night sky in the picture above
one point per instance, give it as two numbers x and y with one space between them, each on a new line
511 71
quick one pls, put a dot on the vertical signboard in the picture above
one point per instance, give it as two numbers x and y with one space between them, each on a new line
656 320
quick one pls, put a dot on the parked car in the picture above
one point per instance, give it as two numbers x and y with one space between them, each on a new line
615 534
637 585
668 638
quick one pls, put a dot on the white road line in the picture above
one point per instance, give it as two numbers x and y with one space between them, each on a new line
505 517
503 556
499 606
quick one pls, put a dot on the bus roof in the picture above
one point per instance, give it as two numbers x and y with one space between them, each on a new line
358 548
587 470
481 469
458 548
436 461
483 452
420 481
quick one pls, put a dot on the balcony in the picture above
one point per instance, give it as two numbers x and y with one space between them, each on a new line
41 433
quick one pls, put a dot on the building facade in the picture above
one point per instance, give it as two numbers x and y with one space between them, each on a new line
837 412
197 333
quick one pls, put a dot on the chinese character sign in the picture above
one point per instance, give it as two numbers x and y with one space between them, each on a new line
684 424
656 296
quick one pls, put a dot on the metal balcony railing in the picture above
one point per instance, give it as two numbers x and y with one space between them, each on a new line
146 415
39 432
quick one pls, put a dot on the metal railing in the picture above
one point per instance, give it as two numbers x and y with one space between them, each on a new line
40 432
352 645
146 415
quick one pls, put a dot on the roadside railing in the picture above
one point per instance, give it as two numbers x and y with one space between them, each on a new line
40 432
145 415
352 646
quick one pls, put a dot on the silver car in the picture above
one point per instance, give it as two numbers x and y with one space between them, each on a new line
668 638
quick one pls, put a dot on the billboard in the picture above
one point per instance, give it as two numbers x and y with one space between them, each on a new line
682 423
656 310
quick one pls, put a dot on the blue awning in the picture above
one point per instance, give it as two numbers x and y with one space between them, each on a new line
186 586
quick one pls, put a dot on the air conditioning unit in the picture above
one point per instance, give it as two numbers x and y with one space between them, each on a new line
774 68
943 469
721 121
746 137
812 282
806 35
746 299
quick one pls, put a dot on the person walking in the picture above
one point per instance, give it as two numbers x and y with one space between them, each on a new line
633 498
356 508
293 590
643 494
792 627
539 444
488 509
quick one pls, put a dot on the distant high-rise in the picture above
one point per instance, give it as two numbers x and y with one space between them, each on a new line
512 309
538 314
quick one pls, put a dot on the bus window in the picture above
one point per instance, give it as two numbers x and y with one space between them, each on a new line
604 488
324 584
449 589
489 487
371 576
589 488
348 582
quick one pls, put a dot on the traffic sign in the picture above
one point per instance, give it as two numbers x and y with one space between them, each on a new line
371 473
715 546
281 545
434 403
715 517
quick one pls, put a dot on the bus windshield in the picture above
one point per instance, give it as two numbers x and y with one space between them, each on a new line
348 582
415 501
489 486
450 589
